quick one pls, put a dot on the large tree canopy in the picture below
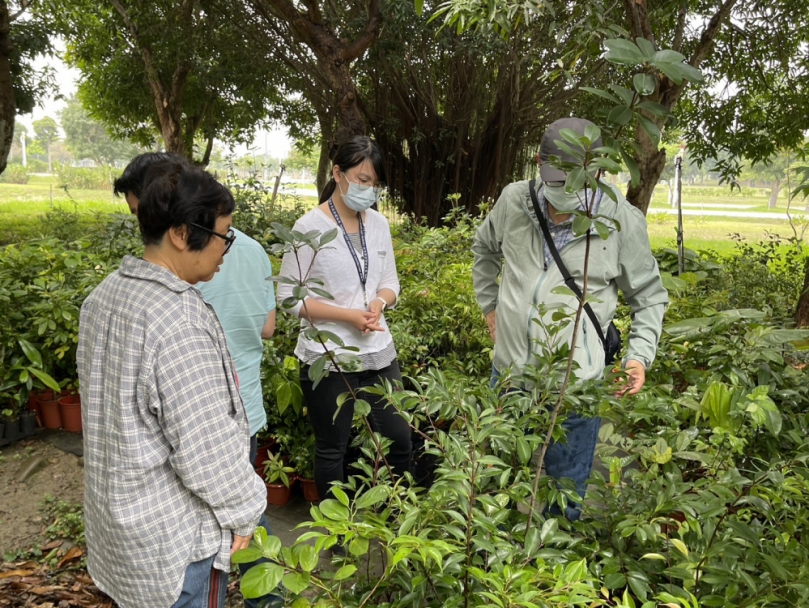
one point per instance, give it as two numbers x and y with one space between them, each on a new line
22 38
753 54
176 69
87 138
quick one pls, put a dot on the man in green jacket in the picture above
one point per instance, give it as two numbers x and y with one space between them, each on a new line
509 245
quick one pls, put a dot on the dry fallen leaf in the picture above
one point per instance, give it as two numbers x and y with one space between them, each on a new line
16 573
52 545
74 553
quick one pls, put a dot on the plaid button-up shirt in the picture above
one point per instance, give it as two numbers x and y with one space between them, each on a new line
166 442
561 233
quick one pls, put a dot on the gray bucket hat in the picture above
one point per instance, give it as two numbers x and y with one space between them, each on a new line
547 147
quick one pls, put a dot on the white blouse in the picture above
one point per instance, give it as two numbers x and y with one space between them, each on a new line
335 266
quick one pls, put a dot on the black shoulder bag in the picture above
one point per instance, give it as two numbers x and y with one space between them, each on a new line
612 341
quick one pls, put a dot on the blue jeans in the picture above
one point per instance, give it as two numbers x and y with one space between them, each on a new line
572 459
203 586
270 599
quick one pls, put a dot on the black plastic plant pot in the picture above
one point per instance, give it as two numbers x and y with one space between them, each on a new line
12 432
28 423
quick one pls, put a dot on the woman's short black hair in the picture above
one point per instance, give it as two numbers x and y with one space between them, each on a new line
352 153
132 179
175 195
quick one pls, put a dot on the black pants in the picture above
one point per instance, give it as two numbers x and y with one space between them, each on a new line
332 435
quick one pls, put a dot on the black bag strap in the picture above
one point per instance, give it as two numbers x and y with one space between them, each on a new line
569 280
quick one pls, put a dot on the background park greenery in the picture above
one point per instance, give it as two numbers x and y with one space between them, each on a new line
702 489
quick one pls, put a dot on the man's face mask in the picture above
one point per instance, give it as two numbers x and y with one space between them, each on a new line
561 200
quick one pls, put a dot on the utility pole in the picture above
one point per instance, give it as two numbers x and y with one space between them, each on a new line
277 183
678 197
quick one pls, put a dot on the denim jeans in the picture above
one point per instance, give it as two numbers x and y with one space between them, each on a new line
203 586
332 435
572 459
270 599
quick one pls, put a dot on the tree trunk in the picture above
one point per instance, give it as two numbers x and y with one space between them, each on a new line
324 161
50 165
650 164
802 310
8 109
775 190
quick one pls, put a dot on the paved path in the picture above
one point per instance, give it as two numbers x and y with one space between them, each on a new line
721 213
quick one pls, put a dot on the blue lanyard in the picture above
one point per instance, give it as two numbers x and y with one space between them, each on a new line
362 271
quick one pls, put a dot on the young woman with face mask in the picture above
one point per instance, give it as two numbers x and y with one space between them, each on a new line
358 270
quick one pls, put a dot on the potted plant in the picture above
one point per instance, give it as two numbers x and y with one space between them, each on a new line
302 457
24 373
278 477
70 407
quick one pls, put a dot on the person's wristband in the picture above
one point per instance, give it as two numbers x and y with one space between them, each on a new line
384 303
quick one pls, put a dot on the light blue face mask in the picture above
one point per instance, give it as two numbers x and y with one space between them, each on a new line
359 198
561 200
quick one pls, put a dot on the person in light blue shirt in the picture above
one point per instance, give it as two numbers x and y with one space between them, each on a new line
244 301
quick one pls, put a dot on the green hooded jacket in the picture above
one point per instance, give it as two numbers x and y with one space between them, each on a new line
624 261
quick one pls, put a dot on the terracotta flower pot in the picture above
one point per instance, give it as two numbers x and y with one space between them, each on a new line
49 412
263 453
278 494
309 489
70 407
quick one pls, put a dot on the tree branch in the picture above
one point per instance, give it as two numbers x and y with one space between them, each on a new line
24 4
677 44
369 34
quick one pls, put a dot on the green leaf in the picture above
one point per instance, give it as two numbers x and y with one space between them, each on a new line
655 109
301 602
334 510
524 451
32 353
46 379
317 371
340 495
667 56
600 93
603 230
632 167
283 396
344 572
372 497
646 47
308 558
358 546
575 180
328 237
650 128
362 408
562 290
644 83
581 224
419 6
532 540
549 529
620 115
262 579
247 555
321 292
296 582
623 52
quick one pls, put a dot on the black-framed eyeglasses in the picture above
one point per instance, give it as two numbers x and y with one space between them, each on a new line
228 238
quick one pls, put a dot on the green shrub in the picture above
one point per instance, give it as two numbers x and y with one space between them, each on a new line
83 178
15 174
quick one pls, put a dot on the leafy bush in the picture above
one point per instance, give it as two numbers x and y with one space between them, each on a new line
83 178
15 174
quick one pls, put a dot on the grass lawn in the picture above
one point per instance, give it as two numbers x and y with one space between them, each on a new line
22 206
